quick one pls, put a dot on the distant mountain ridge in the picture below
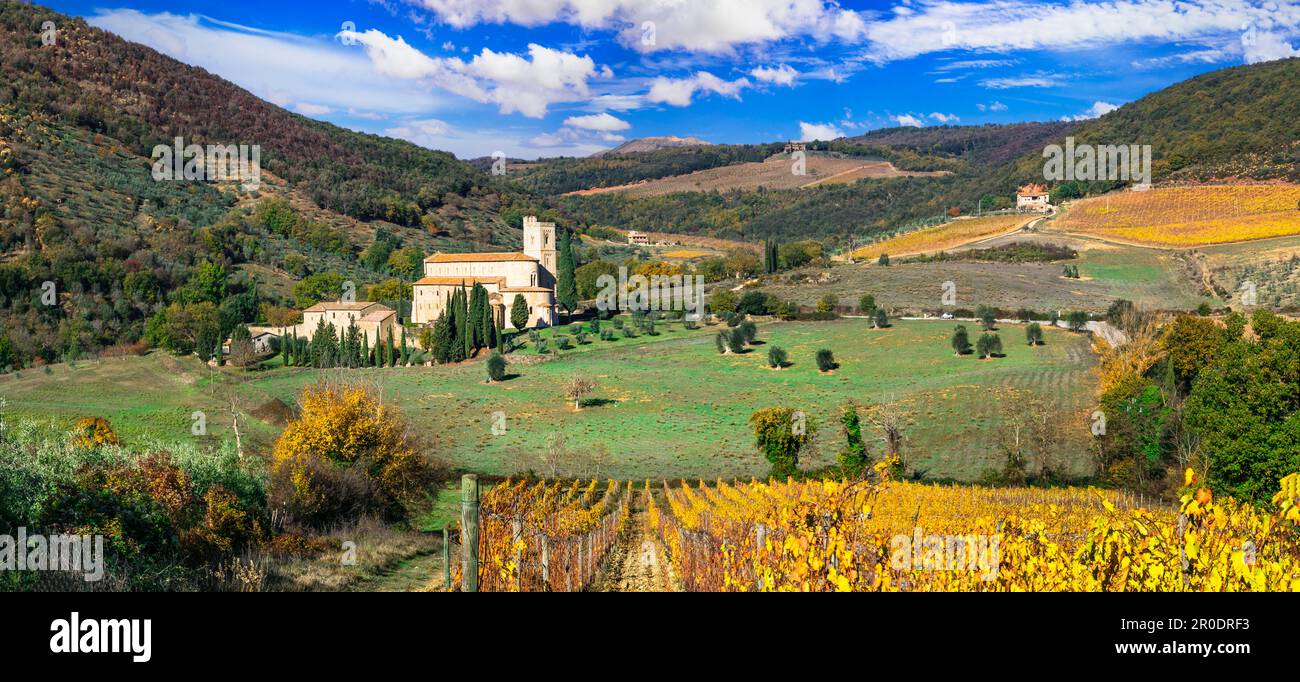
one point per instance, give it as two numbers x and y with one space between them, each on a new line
650 144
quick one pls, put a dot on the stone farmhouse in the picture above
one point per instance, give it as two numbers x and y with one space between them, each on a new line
1032 197
506 277
375 321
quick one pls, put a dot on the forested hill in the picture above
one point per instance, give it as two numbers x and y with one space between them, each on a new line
1237 122
95 253
97 81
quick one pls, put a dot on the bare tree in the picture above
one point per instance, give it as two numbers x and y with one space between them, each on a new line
554 454
890 420
576 388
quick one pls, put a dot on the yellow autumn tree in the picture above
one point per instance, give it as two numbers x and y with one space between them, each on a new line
348 453
92 432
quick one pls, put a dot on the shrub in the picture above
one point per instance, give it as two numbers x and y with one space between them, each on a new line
563 342
988 345
881 319
580 338
720 341
776 357
348 451
1034 334
867 304
93 432
827 303
607 335
617 322
629 332
496 367
825 360
777 436
748 331
960 340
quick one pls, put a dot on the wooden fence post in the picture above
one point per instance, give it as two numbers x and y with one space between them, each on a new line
469 533
546 563
446 557
516 534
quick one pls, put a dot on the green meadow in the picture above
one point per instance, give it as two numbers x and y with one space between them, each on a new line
665 406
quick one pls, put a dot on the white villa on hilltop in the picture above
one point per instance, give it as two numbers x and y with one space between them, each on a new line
506 277
1033 197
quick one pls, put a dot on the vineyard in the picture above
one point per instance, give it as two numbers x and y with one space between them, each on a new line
1188 216
946 236
546 537
884 535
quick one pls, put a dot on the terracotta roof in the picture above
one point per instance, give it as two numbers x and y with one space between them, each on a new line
477 257
528 289
458 281
326 306
377 316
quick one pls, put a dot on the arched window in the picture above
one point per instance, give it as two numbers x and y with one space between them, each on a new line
533 277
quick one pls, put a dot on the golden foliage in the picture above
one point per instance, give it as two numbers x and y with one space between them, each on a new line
349 427
92 432
858 536
1188 216
949 235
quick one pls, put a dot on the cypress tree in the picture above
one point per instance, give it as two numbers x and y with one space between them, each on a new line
566 287
465 326
391 349
406 352
364 358
442 338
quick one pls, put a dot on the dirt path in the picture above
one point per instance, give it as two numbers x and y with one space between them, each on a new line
637 562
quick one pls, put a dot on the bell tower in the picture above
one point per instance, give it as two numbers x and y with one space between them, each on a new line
539 242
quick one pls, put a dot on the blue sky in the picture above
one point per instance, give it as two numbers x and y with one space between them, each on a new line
568 77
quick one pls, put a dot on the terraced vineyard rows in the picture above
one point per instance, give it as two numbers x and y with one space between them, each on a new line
946 236
546 537
1188 216
897 536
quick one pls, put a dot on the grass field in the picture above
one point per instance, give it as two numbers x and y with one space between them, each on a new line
775 172
665 407
1152 278
1187 216
943 237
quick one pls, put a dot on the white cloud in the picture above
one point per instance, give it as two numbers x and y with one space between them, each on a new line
309 109
1206 56
1266 47
1098 108
975 64
991 106
699 25
781 75
308 72
907 120
1004 25
512 82
679 91
616 102
818 131
1035 80
945 118
429 133
600 122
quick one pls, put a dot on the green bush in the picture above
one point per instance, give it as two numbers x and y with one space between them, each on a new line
496 367
825 360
